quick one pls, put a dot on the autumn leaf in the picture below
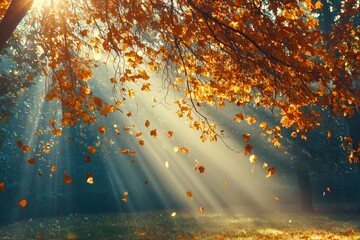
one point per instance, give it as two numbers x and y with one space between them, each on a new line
87 159
102 129
19 144
189 195
318 5
141 142
89 178
173 214
184 150
252 158
67 179
147 123
31 160
271 171
170 134
26 149
201 169
153 133
248 148
2 186
202 209
53 168
124 200
246 137
138 135
23 203
91 149
125 151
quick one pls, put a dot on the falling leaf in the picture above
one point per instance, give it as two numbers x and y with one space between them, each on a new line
328 134
176 149
67 179
53 168
253 158
201 169
124 200
2 186
189 195
102 129
328 189
131 153
153 133
271 171
91 149
264 126
138 135
265 165
87 159
167 164
26 149
276 198
170 134
31 160
141 142
124 151
23 203
184 150
46 149
248 148
19 144
246 137
318 5
173 214
117 131
126 193
147 123
202 210
89 178
250 120
128 114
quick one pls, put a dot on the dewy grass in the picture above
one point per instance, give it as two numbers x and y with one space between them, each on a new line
188 225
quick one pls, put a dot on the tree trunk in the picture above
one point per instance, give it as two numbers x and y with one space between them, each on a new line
302 173
14 14
354 130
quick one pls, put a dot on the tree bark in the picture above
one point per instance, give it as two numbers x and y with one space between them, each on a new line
354 130
14 14
302 173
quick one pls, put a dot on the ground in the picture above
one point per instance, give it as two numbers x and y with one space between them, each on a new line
172 224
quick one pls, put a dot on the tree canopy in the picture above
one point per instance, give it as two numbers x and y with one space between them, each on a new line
266 53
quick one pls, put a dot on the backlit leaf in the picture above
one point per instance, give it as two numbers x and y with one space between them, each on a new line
2 186
23 203
91 149
67 179
153 133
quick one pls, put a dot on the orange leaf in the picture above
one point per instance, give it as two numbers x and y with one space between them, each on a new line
202 210
248 149
318 5
124 151
124 200
26 149
19 144
31 160
2 186
153 133
102 129
189 195
141 142
138 135
201 169
67 179
147 123
184 150
87 159
23 203
271 171
246 137
91 149
170 134
53 168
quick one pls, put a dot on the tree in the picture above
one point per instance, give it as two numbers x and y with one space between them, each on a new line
268 53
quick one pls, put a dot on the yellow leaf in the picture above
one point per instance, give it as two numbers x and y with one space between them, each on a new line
246 137
253 158
189 195
318 5
271 171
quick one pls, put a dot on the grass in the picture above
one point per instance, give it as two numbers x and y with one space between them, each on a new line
189 225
